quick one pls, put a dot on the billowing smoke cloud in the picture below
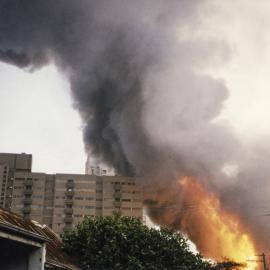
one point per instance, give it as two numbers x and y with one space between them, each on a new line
136 70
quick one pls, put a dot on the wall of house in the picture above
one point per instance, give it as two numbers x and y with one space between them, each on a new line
15 255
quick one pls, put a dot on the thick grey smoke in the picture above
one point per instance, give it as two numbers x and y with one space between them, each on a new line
108 50
135 70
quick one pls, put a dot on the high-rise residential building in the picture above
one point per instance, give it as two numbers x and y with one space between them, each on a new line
62 200
77 196
9 165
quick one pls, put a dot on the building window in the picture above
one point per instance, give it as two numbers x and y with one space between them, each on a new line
78 206
37 197
60 206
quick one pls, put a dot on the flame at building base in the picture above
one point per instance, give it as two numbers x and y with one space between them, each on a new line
192 209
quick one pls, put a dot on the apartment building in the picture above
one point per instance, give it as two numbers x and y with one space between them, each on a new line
78 196
62 200
9 165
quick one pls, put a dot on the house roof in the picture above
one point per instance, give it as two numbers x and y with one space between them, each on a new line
55 257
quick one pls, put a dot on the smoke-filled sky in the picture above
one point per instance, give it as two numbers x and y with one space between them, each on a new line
39 120
164 89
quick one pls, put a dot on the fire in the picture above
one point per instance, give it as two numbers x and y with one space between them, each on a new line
217 233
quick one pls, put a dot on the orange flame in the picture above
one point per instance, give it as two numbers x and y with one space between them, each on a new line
217 233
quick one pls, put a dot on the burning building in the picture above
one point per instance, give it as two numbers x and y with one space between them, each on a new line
138 77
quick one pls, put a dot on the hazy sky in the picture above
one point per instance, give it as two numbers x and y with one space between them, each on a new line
37 117
245 26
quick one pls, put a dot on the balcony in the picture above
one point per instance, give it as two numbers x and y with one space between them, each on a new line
28 182
26 209
117 196
70 184
68 219
28 192
70 193
67 228
69 202
68 211
117 211
27 201
117 204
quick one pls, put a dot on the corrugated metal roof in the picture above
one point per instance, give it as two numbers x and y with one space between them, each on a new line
54 254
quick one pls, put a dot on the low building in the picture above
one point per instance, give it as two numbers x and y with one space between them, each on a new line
27 245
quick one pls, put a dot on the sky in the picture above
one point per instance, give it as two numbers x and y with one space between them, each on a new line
36 109
244 26
38 118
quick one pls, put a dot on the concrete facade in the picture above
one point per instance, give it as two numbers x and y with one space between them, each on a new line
62 200
9 164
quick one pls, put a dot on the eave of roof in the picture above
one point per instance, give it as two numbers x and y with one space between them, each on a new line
11 222
60 265
19 231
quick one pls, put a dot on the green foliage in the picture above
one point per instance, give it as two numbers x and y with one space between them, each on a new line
125 243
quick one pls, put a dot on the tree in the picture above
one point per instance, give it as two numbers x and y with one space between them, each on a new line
125 243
